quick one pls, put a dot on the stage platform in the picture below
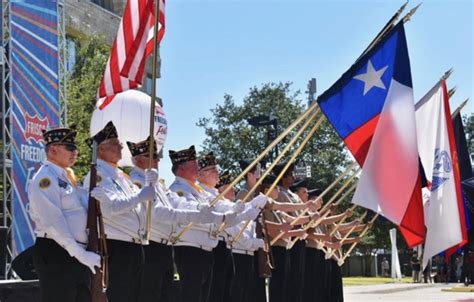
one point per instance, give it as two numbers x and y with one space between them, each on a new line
19 291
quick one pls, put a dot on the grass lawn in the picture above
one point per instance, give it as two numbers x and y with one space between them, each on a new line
349 281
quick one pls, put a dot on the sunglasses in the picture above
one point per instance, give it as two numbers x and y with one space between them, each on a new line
70 148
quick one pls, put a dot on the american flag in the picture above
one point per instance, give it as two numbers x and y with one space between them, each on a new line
133 44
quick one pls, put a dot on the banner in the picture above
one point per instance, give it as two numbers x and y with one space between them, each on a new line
35 100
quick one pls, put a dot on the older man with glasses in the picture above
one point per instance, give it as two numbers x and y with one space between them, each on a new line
123 211
59 209
157 274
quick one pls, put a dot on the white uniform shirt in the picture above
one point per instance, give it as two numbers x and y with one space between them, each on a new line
162 225
199 235
246 241
58 209
137 175
122 221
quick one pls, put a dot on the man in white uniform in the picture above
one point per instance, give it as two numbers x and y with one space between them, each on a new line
123 211
59 211
194 249
158 268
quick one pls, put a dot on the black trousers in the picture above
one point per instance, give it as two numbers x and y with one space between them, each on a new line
157 273
278 281
62 278
257 287
239 287
195 272
296 272
126 261
222 272
334 286
315 276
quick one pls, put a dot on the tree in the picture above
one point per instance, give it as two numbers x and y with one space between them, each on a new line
469 129
231 137
91 56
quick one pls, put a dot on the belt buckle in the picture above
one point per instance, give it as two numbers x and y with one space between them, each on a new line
213 233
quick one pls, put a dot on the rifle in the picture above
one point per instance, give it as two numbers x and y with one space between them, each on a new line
265 258
96 236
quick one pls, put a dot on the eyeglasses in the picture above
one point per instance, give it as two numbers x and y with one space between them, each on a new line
70 148
155 156
211 169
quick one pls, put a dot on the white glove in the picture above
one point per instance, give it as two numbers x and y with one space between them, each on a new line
238 207
257 243
89 259
146 193
151 176
102 195
208 216
260 201
204 208
231 219
249 214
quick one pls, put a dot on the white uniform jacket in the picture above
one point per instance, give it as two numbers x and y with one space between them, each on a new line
122 220
246 243
57 207
200 234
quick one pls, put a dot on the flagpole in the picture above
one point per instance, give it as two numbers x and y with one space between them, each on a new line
283 171
330 187
367 227
410 14
384 30
323 211
389 26
459 108
313 110
360 219
156 48
447 74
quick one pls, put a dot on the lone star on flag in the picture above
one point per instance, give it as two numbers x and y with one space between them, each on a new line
372 77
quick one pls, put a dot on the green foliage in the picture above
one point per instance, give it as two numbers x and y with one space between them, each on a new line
378 238
469 130
231 137
83 81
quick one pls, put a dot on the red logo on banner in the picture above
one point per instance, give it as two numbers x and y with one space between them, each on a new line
33 127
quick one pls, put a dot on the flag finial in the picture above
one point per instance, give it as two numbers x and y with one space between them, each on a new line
411 13
402 8
460 108
452 91
447 74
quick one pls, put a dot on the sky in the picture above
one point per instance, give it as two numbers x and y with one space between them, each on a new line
213 48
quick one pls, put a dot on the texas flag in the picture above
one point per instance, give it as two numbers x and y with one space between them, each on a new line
443 205
372 109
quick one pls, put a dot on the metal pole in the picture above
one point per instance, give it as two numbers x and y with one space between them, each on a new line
152 109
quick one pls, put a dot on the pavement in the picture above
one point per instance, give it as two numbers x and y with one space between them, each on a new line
406 292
